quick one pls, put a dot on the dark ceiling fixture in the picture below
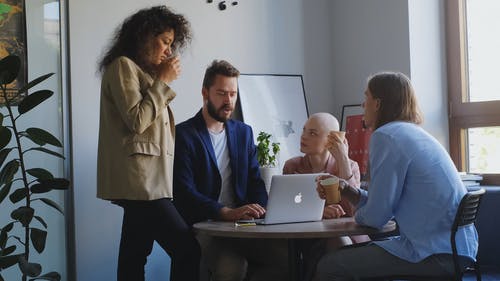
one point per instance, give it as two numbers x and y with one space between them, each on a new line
222 4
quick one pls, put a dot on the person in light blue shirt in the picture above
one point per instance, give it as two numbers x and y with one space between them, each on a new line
413 181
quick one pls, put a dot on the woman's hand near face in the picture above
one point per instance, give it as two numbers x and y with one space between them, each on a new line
337 147
169 70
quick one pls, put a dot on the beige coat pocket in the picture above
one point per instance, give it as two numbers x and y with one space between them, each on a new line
145 148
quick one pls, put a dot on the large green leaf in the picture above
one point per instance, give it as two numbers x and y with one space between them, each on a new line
18 195
23 214
3 155
5 136
40 173
34 82
51 276
29 268
31 101
8 250
8 261
3 238
41 221
52 204
9 68
55 183
4 191
40 188
38 239
8 171
42 137
8 227
43 149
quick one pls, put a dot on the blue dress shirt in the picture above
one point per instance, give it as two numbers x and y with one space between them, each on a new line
414 181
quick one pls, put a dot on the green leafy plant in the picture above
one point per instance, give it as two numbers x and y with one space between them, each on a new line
267 151
25 186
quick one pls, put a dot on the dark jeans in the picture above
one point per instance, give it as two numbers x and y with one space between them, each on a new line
369 261
147 221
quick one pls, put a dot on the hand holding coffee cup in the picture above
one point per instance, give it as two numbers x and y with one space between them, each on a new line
335 138
170 69
337 143
338 136
332 189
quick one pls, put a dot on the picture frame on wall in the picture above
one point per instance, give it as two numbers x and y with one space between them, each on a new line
349 110
275 104
358 137
13 41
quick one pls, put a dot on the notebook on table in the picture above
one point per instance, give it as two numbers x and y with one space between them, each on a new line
292 198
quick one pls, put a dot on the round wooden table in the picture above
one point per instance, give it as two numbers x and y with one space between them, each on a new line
291 232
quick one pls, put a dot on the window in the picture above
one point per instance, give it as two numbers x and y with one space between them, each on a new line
473 49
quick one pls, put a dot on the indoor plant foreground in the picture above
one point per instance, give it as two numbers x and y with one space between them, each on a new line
20 183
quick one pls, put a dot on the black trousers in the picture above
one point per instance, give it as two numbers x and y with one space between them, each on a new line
158 220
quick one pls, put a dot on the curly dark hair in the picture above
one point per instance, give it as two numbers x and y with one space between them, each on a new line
221 67
132 38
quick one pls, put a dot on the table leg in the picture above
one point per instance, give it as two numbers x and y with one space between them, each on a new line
294 260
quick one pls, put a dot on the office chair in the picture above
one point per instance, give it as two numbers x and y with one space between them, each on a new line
466 215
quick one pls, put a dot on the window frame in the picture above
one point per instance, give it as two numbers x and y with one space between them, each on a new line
462 114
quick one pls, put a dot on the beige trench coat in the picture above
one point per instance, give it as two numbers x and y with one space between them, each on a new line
136 135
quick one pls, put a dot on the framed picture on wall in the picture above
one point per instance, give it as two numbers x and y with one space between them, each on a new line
349 110
275 104
13 40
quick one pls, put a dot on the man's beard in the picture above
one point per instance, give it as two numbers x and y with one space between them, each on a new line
214 113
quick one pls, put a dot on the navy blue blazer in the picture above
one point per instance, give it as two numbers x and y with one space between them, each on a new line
197 181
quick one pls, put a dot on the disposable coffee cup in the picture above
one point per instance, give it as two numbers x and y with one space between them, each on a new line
332 189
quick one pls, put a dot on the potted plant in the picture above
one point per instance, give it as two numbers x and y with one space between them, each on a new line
267 152
21 183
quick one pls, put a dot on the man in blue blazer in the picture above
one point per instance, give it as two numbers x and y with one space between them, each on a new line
216 176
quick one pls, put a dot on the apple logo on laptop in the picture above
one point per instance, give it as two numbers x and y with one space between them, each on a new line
298 198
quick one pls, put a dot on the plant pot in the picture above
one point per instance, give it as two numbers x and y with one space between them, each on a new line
266 173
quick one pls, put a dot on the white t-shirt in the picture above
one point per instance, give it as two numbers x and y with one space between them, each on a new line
219 144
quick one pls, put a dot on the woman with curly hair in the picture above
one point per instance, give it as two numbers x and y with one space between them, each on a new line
136 141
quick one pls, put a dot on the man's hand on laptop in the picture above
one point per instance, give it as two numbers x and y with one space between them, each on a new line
245 212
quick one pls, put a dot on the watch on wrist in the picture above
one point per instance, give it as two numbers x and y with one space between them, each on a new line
343 184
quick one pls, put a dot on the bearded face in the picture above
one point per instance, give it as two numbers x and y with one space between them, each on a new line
221 113
221 97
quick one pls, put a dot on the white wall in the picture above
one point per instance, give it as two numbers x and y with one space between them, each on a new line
391 35
368 36
428 64
258 36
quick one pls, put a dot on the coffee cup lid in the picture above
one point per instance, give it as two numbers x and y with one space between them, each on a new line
329 181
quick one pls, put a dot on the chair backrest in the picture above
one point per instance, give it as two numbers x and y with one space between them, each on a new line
488 227
466 215
468 209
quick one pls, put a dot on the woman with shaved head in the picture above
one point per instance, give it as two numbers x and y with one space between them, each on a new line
325 152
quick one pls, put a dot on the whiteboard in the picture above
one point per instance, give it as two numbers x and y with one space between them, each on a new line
275 104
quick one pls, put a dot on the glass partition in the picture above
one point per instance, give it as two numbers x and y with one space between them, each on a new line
42 54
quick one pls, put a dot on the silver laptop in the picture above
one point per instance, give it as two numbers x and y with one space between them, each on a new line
293 198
